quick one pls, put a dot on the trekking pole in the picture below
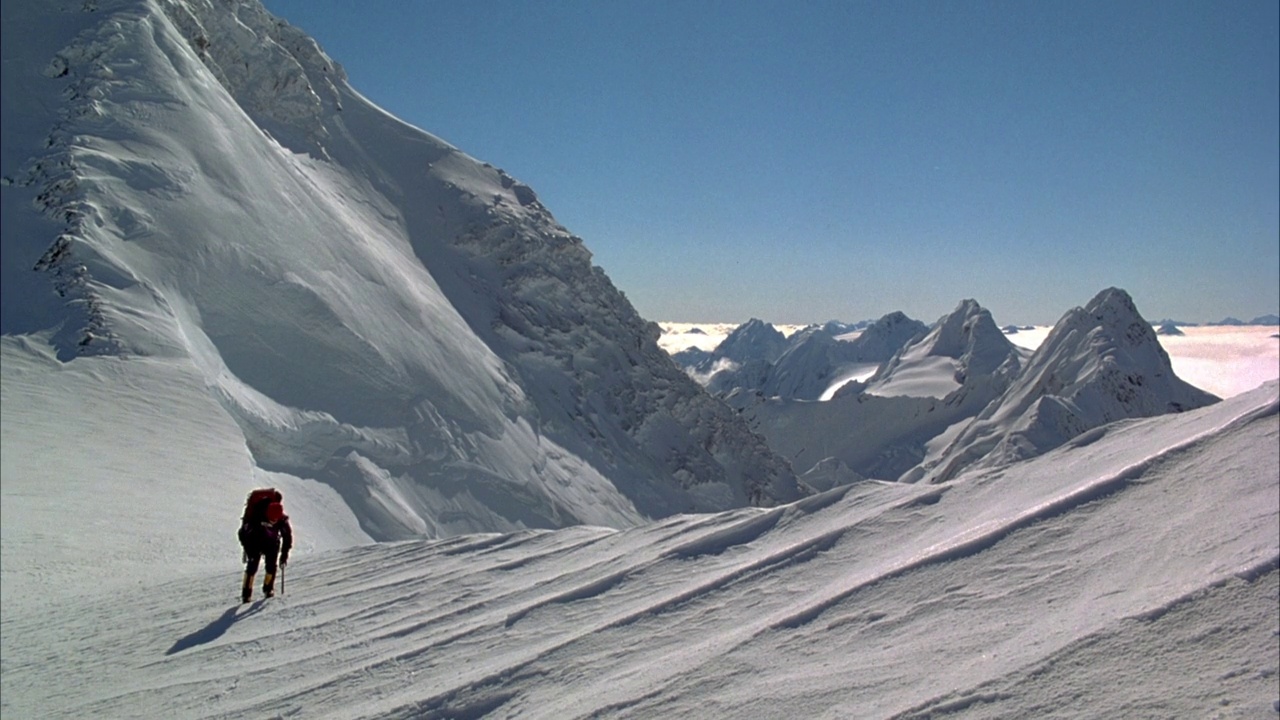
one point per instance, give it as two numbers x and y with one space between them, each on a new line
282 567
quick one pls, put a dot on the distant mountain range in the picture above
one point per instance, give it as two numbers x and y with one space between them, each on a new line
944 397
1228 321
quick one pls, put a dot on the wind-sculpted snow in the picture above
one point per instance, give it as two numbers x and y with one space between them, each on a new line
1138 578
372 307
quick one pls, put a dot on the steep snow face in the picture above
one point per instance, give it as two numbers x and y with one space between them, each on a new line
963 393
882 339
1099 364
372 307
807 367
743 358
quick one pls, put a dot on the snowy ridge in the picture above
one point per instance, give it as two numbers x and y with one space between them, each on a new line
753 340
962 393
374 309
827 607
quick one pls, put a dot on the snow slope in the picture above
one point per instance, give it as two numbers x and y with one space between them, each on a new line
373 309
1132 576
265 280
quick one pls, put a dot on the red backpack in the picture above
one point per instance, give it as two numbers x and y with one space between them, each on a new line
255 507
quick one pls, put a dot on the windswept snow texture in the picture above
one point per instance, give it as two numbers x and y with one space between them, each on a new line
372 308
223 268
1135 576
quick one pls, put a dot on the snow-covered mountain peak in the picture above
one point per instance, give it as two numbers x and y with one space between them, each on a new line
277 73
957 334
887 335
965 343
1099 364
1108 338
753 340
376 310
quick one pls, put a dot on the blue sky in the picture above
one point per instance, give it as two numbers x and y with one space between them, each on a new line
802 161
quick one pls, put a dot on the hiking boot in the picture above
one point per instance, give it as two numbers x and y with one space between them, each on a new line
268 584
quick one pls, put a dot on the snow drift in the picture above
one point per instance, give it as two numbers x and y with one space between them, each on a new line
222 267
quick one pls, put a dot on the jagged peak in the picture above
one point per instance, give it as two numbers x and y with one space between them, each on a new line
754 339
755 325
452 334
276 72
1100 363
897 317
1108 326
956 335
967 335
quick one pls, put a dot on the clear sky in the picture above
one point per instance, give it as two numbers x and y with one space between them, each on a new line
806 160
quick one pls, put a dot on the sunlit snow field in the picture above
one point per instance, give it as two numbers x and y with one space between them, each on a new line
505 501
1224 360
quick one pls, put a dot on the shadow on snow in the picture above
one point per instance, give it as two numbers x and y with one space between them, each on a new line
213 630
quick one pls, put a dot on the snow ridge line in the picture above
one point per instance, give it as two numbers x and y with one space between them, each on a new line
987 534
88 66
1250 573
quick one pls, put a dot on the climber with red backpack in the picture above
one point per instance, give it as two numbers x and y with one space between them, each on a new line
264 530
